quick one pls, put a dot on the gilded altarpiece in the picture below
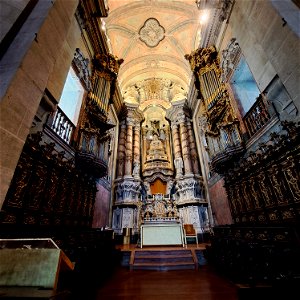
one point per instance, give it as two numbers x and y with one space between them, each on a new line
158 172
156 157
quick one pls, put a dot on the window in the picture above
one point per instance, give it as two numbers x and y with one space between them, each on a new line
244 86
71 98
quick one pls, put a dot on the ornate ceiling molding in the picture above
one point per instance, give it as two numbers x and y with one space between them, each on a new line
151 49
154 88
152 33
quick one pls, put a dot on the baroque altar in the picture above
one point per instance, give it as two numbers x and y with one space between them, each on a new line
160 223
158 178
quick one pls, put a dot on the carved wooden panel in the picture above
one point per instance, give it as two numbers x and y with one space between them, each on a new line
264 187
47 189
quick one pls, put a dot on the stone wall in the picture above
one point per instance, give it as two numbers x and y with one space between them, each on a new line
269 45
219 203
101 206
22 97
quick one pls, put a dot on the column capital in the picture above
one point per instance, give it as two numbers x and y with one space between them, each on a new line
137 126
130 121
174 126
181 119
188 122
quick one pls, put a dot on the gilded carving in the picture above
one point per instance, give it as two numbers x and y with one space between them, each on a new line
292 180
45 176
245 196
29 219
277 185
203 58
108 63
265 190
22 177
36 192
288 214
272 177
253 193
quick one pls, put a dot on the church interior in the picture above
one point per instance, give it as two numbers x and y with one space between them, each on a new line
139 134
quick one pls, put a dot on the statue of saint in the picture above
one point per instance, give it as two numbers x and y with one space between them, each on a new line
156 144
136 169
178 165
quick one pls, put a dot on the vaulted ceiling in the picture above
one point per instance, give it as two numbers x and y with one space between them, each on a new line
152 36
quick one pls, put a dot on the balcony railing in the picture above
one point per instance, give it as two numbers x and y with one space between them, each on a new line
258 115
62 125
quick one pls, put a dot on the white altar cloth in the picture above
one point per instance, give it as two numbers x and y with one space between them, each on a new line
161 234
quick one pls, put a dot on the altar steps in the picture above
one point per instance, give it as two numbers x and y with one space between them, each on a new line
163 260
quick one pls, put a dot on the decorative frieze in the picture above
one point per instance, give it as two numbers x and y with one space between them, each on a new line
155 88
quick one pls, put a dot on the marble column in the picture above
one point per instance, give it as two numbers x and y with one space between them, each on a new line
193 151
177 150
185 147
136 151
121 151
128 150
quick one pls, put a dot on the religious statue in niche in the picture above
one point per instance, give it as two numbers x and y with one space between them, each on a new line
156 154
156 136
156 149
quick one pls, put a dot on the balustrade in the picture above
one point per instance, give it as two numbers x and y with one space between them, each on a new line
62 126
258 115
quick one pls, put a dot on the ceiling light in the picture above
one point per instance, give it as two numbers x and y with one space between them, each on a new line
103 25
204 17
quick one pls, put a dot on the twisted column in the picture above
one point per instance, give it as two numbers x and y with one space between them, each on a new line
168 146
177 150
185 148
128 150
121 151
144 149
136 151
193 151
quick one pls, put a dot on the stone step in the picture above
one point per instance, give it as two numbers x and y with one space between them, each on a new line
162 252
164 266
164 256
163 260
